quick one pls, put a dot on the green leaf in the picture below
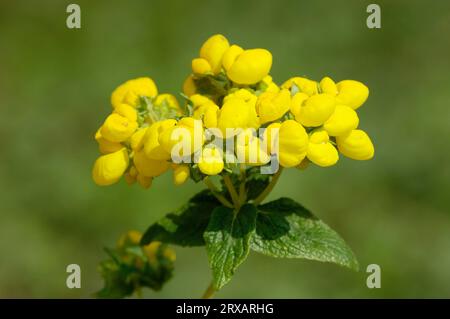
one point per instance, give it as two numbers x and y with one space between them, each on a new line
285 229
228 239
184 227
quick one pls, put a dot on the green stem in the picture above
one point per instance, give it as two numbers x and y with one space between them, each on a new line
242 190
232 191
217 194
209 292
269 187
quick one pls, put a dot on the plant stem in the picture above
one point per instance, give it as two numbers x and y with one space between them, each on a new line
269 187
209 292
217 194
233 193
242 190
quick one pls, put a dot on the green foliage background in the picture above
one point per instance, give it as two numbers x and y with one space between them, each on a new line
54 92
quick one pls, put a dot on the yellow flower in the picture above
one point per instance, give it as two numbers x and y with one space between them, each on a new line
180 174
201 66
109 168
270 85
271 106
343 120
212 51
148 167
236 113
189 87
315 110
304 85
250 149
117 128
230 56
211 161
327 85
152 147
137 139
205 109
242 94
292 142
320 151
356 145
250 67
126 111
186 135
130 91
169 101
352 93
106 146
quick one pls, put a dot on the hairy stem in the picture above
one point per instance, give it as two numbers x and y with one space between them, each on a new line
217 194
232 191
269 187
209 292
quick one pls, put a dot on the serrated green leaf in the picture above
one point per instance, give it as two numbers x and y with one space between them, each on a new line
184 227
285 229
228 239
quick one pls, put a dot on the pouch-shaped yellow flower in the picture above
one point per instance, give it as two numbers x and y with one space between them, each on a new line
356 145
127 111
250 67
236 113
328 86
212 51
315 110
250 149
152 147
230 56
272 106
182 139
304 85
149 167
201 66
189 87
211 161
343 120
352 93
106 146
130 91
292 142
320 151
117 128
109 168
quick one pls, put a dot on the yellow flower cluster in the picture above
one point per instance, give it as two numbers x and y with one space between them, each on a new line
228 96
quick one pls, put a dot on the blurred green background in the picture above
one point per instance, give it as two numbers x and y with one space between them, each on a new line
55 85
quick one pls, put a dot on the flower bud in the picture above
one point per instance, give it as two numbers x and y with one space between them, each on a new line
213 50
352 93
250 67
130 238
272 106
180 174
343 120
109 168
201 66
117 128
356 145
